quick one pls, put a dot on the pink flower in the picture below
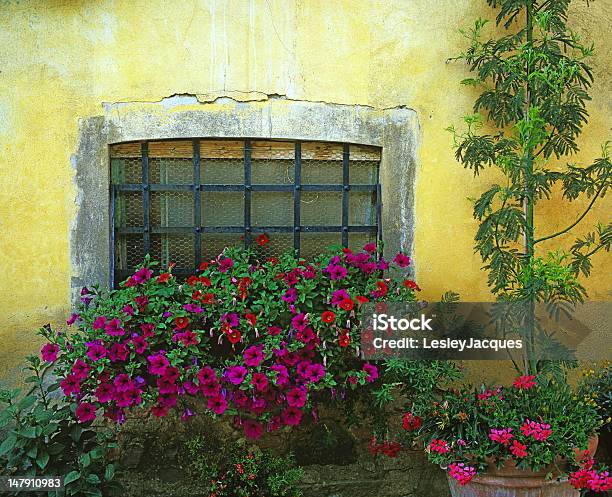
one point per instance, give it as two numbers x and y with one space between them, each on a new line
538 431
296 397
524 382
71 384
80 369
226 264
235 374
260 382
503 436
142 275
253 356
148 329
139 344
339 296
252 429
85 411
113 328
370 247
207 375
49 352
299 321
401 260
292 416
157 364
123 382
210 389
105 392
518 449
290 296
336 272
99 323
371 372
462 473
160 411
71 320
118 352
315 373
218 405
95 351
439 446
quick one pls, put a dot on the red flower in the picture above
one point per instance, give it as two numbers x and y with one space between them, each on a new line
262 239
233 336
328 317
181 322
272 260
518 449
345 339
347 304
163 278
412 422
250 318
208 298
381 290
412 285
192 280
197 295
203 266
524 382
362 300
205 281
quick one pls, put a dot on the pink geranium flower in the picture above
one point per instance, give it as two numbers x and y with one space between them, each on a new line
524 382
439 446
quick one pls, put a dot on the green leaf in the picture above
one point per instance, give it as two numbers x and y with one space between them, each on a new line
93 479
42 460
8 444
109 473
28 432
85 460
72 476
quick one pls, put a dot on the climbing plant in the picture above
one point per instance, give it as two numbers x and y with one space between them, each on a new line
533 83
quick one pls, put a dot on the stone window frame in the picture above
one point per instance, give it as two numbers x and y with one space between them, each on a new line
394 130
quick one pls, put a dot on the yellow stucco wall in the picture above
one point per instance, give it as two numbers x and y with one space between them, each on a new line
62 60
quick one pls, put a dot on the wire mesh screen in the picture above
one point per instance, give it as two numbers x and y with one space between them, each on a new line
184 201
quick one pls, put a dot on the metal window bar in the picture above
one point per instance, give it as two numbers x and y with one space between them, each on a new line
198 188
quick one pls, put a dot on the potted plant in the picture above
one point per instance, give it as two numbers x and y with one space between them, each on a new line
533 84
532 438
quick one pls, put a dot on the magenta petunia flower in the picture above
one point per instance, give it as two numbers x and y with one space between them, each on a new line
371 371
336 272
159 411
231 319
105 392
218 405
402 260
70 385
49 352
339 295
252 429
282 375
191 388
99 323
299 321
315 372
292 416
166 386
196 309
210 389
142 275
290 296
113 328
139 344
157 364
95 351
260 382
253 356
226 264
309 272
80 369
85 412
123 382
71 320
128 309
148 329
207 375
370 247
274 330
383 265
235 374
118 352
296 397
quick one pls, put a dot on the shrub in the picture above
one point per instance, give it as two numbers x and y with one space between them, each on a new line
42 438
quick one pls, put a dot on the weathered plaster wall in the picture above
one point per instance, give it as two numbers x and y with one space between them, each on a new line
65 62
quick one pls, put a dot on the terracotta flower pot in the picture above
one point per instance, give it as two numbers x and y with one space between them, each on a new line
509 481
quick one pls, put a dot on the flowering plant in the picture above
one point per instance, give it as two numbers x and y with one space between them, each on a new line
263 341
536 424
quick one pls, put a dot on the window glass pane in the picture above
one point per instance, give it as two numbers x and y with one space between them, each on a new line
214 243
272 209
129 251
222 208
363 172
321 209
272 172
171 171
171 209
358 240
278 243
178 248
126 171
128 209
222 171
321 172
362 208
313 244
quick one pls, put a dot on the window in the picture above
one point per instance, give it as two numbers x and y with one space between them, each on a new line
185 200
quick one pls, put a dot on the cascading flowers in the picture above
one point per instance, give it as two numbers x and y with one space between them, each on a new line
263 341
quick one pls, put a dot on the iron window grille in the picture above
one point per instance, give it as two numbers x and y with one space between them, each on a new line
185 200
